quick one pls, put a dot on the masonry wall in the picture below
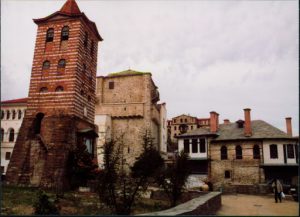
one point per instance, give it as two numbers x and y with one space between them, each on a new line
244 171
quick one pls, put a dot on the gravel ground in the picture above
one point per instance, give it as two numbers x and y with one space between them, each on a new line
254 205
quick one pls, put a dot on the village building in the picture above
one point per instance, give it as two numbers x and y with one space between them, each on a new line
61 100
127 107
182 124
12 114
242 155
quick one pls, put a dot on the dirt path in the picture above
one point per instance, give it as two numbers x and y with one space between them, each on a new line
241 204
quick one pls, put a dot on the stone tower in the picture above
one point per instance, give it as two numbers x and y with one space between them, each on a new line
61 103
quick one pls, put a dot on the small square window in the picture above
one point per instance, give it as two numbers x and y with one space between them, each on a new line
111 85
227 174
7 156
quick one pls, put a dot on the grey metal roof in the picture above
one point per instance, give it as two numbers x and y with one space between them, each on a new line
260 130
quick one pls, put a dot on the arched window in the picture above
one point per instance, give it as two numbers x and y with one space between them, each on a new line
61 63
59 89
43 90
46 65
82 92
2 134
11 135
19 114
7 114
238 152
224 153
2 114
92 49
86 38
256 152
65 33
50 35
13 114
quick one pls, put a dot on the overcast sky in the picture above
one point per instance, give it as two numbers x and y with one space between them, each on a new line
203 55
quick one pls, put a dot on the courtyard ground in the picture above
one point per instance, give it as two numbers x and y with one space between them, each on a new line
257 205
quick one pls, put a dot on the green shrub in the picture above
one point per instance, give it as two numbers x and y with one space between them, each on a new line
43 206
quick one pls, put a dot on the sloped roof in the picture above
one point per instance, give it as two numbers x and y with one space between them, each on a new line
15 101
127 73
198 132
260 130
71 9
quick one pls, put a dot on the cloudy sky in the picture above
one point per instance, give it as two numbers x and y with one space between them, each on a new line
203 55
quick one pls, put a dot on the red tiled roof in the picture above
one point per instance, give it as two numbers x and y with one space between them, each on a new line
70 7
20 100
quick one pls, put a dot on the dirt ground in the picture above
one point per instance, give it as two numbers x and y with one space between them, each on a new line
241 204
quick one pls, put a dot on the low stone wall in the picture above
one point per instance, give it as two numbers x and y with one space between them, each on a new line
246 189
206 204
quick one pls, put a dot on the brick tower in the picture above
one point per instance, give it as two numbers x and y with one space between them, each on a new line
61 102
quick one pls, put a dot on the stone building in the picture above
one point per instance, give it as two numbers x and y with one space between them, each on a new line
183 124
61 99
12 114
237 155
127 106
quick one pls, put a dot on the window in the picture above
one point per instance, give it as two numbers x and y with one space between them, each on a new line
111 85
61 63
65 33
89 98
180 120
46 65
186 146
2 135
50 35
194 145
2 170
59 89
92 49
290 151
2 114
89 146
256 152
86 38
175 128
224 153
13 114
90 76
43 90
8 115
11 135
174 121
227 174
202 146
7 156
175 134
273 151
82 93
185 120
191 127
19 114
238 152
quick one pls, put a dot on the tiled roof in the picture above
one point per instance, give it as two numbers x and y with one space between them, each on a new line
70 7
260 130
127 73
20 100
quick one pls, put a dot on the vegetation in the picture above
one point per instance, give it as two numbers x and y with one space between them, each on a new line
43 206
121 185
173 178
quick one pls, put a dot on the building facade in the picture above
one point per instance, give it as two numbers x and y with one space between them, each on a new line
127 106
245 153
61 99
12 114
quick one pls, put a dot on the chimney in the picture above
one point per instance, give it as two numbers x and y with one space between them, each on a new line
226 121
289 126
247 125
214 116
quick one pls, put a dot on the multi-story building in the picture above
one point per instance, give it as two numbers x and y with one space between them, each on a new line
127 107
244 153
183 124
12 113
61 99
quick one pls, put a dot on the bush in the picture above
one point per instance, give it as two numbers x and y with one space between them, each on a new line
43 206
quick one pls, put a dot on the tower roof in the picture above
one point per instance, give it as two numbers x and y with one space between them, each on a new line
70 7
